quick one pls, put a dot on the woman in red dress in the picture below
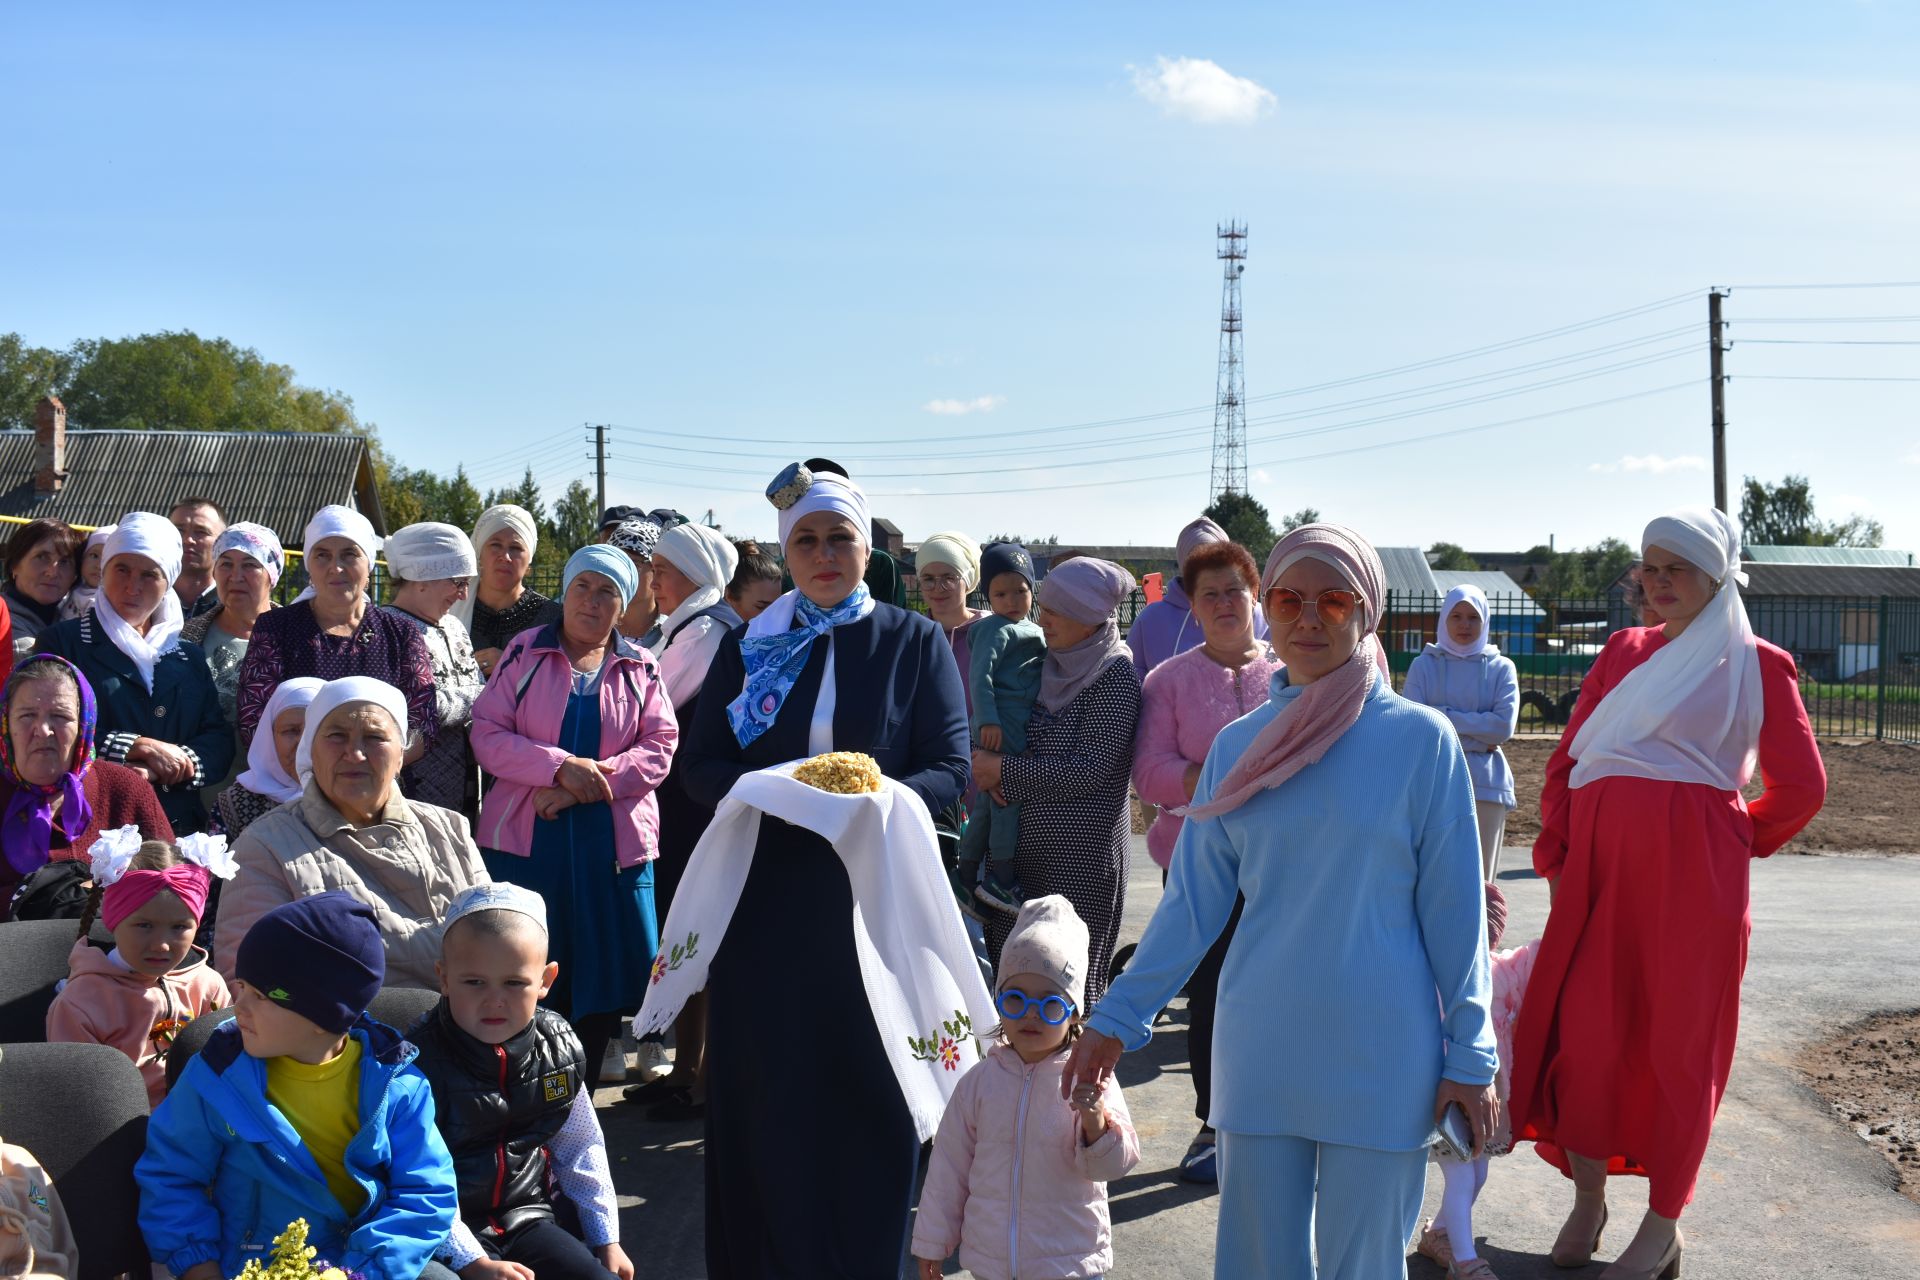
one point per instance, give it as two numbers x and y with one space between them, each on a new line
1626 1035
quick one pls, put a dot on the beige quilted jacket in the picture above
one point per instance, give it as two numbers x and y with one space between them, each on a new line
408 867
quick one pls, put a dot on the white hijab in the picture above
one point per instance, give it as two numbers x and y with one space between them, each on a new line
1466 593
263 775
1692 711
708 560
142 533
334 695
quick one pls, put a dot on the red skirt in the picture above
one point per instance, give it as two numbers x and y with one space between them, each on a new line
1627 1029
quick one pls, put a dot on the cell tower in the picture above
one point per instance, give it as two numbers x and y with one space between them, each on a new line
1230 391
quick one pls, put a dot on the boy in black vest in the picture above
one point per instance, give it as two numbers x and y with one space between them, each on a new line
511 1099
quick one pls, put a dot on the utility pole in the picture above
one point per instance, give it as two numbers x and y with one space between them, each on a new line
600 464
1716 351
1230 384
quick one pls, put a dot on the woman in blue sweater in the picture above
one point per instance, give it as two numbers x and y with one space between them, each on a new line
1353 1005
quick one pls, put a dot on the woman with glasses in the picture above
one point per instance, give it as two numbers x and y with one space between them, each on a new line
1627 1031
1357 986
1076 836
947 567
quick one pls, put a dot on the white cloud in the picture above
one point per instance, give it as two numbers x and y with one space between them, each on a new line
1260 476
959 408
1913 457
1650 464
1201 90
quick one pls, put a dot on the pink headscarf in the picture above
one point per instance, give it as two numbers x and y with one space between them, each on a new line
1307 726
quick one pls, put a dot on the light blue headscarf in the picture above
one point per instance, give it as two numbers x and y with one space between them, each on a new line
775 656
598 557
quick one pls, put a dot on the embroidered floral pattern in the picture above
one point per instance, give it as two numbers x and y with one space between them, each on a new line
945 1049
667 961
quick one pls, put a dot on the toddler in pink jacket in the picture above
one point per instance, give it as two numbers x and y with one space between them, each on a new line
1018 1178
136 997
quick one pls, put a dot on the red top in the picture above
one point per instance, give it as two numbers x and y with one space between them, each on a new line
1794 776
118 796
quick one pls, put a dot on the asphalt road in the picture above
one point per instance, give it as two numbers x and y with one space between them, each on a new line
1787 1189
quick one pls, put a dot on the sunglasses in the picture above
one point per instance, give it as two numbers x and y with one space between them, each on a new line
1334 607
1013 1004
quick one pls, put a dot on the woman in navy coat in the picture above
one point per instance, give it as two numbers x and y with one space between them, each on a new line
811 1154
159 710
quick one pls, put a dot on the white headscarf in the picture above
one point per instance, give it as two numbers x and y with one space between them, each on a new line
492 521
335 521
707 558
1465 593
263 775
956 549
334 695
430 552
830 492
142 533
1692 711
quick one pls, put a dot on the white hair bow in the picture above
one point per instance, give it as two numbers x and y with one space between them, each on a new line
112 852
211 852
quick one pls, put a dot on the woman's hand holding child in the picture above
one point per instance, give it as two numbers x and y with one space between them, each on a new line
1092 1107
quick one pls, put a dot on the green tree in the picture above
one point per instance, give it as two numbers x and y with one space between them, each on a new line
1245 520
183 382
1586 573
1449 555
573 524
1782 515
1305 515
26 374
525 495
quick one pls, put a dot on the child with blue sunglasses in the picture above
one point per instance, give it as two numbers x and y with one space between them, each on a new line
1018 1178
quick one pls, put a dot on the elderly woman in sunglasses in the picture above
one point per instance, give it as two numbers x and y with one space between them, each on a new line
1353 1006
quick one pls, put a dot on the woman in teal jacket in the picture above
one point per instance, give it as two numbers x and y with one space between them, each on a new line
216 1131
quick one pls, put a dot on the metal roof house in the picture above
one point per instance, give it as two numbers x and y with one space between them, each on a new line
278 479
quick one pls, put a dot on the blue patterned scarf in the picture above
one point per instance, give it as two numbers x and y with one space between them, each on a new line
774 661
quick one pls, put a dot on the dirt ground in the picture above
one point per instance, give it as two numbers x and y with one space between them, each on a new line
1873 797
1870 1074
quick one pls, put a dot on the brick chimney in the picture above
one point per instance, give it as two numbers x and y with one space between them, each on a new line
50 445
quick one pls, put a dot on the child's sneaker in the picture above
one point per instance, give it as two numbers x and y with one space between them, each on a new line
1004 898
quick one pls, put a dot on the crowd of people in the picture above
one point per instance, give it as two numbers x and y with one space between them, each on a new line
477 791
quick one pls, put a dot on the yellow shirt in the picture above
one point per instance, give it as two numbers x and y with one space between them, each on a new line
323 1105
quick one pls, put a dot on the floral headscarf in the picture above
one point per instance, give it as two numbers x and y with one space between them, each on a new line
26 830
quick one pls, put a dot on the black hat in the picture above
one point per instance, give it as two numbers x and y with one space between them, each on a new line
1005 557
321 957
615 515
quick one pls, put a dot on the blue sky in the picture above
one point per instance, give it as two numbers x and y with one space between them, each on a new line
744 233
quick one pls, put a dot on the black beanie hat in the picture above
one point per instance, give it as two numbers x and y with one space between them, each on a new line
321 957
1005 557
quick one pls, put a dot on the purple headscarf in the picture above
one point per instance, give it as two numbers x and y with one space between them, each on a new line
1087 591
26 830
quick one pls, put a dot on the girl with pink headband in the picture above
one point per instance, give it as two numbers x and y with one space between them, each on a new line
136 997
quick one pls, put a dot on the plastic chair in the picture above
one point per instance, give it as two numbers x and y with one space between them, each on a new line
82 1110
33 959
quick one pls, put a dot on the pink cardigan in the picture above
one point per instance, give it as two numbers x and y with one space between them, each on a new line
517 720
1007 1130
1185 703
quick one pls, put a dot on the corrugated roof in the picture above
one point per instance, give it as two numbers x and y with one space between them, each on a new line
278 479
1408 572
1857 557
1503 594
1864 582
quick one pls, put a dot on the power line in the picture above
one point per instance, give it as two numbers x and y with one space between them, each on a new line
1690 384
1826 320
1825 342
1814 377
1854 284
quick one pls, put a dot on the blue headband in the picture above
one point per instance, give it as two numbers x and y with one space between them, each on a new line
598 557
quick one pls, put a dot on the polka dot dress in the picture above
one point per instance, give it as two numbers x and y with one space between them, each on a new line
1075 832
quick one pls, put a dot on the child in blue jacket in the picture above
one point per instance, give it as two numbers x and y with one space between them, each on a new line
301 1107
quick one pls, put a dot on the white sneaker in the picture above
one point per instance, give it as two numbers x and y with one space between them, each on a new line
652 1061
613 1064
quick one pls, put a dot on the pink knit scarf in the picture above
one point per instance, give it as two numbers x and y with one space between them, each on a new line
1303 730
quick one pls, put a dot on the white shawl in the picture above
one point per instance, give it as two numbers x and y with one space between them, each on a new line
1692 711
922 980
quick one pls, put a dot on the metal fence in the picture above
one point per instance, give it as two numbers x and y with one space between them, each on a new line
1859 657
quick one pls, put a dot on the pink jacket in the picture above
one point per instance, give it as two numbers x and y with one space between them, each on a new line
1185 703
517 721
104 1002
1012 1179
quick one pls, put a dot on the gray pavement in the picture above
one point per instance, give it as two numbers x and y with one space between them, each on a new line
1787 1189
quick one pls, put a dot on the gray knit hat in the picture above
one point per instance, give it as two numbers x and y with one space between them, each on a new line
1049 939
